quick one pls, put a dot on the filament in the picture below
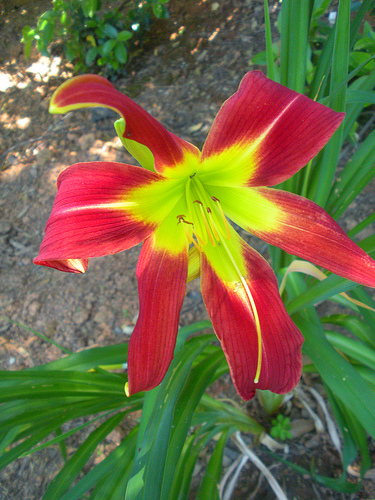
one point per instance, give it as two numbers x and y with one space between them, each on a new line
206 223
253 310
223 217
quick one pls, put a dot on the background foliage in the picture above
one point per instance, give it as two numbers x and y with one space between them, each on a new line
93 35
156 458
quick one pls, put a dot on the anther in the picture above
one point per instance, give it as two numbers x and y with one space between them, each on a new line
181 218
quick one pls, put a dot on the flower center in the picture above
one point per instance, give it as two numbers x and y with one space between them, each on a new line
206 224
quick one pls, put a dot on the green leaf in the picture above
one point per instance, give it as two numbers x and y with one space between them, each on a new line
8 438
201 376
356 326
110 30
64 19
209 487
35 332
62 436
269 47
26 445
365 43
356 23
339 70
89 359
89 7
295 17
194 444
363 296
336 372
107 47
260 59
74 466
115 64
356 176
106 473
70 52
355 349
354 436
320 291
342 378
34 384
28 37
146 480
42 47
47 32
361 96
357 58
121 53
91 55
124 36
217 412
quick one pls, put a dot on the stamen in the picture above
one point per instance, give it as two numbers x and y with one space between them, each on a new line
223 217
206 223
212 224
187 231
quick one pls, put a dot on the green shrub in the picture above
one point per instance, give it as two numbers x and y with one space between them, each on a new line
93 36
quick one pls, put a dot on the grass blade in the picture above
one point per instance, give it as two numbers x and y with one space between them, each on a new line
73 467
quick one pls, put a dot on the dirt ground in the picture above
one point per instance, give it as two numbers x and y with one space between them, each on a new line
192 63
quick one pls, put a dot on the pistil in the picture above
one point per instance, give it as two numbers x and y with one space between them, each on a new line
208 226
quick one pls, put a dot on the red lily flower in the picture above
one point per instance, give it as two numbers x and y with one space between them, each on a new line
261 136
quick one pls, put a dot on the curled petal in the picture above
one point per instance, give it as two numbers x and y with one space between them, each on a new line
168 151
235 310
265 133
161 273
300 227
94 214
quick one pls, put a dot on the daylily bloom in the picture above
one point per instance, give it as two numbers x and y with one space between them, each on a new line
178 205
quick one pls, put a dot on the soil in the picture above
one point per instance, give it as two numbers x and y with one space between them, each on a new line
192 62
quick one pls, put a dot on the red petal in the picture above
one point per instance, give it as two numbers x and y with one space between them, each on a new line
89 217
161 287
234 324
306 230
269 132
93 90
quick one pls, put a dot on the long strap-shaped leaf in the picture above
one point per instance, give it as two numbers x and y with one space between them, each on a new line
209 487
200 377
146 480
102 473
73 467
342 378
339 70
